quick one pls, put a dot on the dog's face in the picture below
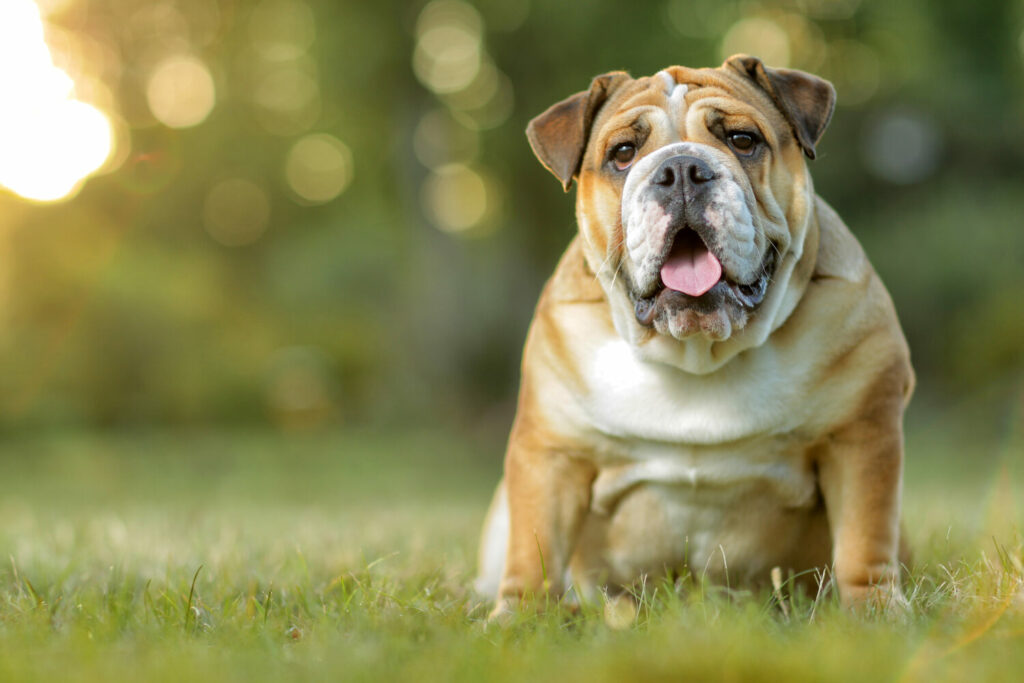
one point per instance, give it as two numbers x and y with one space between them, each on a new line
694 196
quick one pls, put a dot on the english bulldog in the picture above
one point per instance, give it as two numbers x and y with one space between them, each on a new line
714 380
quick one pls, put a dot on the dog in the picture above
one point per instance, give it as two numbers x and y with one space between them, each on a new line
715 377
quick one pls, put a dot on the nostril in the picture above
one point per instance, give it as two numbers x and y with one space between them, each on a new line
667 177
700 173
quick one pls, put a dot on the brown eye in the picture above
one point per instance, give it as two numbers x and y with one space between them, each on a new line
742 142
623 155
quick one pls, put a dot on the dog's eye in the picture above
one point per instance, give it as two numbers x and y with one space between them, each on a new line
742 142
623 154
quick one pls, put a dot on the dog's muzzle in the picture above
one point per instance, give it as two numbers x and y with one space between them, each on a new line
745 296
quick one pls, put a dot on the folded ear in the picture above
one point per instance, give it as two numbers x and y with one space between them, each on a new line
805 100
559 135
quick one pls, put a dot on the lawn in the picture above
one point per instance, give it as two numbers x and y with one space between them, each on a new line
230 555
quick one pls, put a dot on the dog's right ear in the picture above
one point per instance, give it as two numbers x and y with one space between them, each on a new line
559 135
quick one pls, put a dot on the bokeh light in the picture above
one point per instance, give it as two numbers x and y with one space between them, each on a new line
486 102
285 85
902 147
236 212
318 168
90 63
855 70
180 92
757 36
451 61
281 30
58 148
439 139
287 98
154 31
448 47
455 198
50 140
806 41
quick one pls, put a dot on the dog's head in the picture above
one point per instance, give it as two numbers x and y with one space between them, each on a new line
694 198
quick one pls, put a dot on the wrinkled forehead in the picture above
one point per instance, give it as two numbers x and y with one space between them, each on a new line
668 95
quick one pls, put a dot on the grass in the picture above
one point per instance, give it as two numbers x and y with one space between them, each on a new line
252 556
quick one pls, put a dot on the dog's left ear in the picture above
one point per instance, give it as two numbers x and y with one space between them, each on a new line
559 135
805 100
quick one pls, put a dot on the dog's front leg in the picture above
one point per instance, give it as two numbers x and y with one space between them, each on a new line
548 498
861 474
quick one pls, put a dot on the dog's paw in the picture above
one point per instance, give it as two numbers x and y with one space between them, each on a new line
884 599
503 612
620 611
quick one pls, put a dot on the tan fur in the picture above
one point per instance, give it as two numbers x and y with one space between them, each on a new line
780 446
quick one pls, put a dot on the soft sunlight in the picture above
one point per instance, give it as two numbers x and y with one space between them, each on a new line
181 93
50 142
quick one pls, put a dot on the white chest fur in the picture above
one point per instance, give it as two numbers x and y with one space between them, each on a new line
638 400
720 434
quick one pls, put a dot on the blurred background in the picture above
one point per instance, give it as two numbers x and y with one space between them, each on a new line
322 214
266 269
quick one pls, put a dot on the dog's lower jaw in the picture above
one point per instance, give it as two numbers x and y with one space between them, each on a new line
719 312
716 325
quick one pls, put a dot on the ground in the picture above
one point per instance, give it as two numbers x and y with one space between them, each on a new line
233 555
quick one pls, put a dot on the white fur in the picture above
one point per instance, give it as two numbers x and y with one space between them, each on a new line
493 546
633 399
677 100
667 79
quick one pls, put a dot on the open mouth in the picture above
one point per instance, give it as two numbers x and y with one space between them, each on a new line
694 275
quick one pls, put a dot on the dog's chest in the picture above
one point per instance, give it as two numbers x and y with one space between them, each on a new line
635 400
716 438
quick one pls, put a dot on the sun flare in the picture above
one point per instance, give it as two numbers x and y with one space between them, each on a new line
50 142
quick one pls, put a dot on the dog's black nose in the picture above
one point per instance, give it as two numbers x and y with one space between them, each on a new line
683 174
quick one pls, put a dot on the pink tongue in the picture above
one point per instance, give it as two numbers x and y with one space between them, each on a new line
691 268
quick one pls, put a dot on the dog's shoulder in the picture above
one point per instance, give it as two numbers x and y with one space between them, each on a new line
573 281
857 334
840 255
